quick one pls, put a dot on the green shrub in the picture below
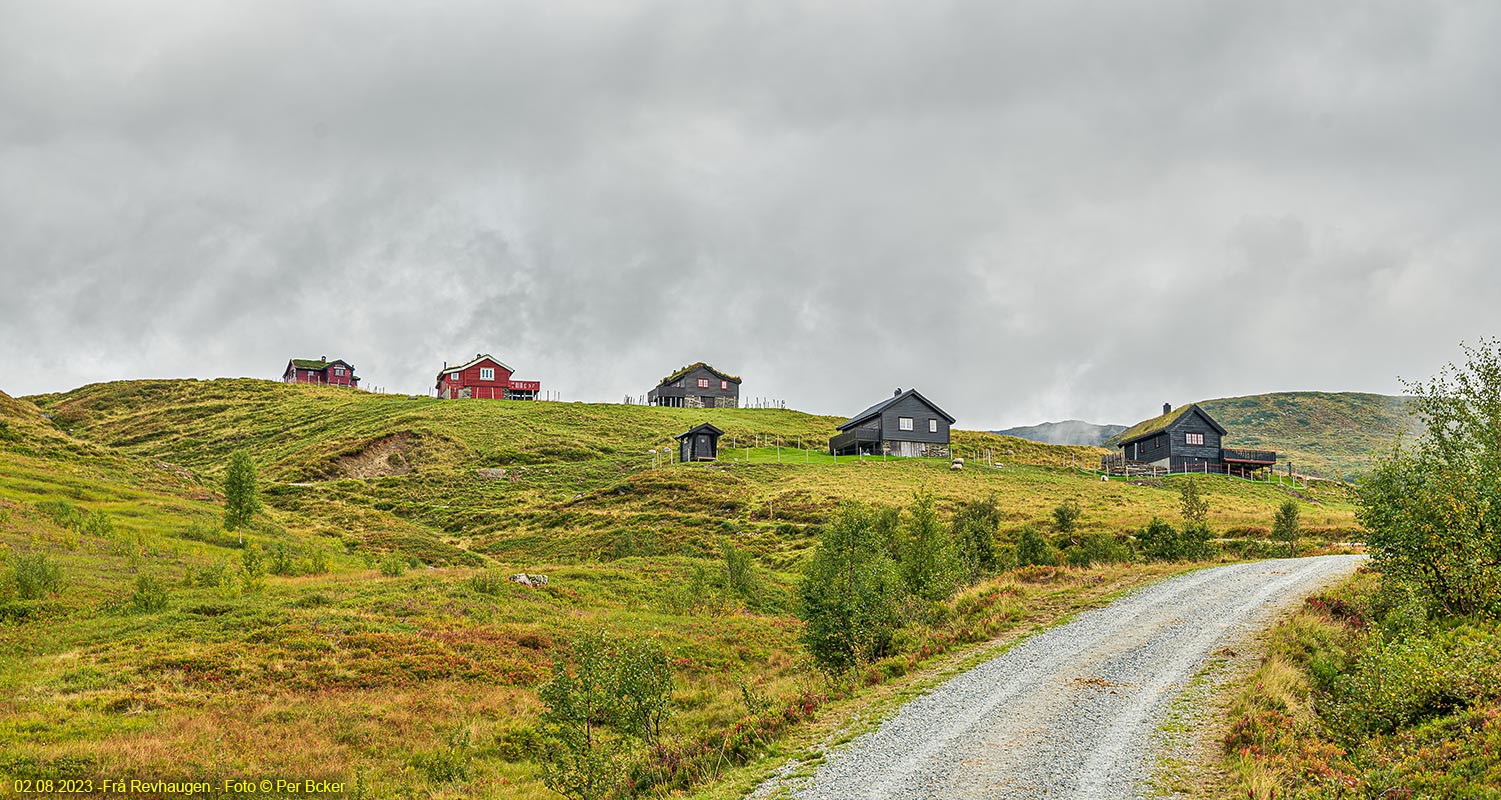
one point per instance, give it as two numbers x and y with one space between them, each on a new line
283 562
253 562
61 512
241 497
1033 550
213 575
488 582
1398 683
1285 526
607 701
1159 541
318 561
851 592
97 523
35 576
150 595
1066 517
1195 506
1434 510
974 528
1099 548
394 565
739 572
929 565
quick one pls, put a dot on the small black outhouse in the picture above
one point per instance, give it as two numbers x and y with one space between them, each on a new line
699 444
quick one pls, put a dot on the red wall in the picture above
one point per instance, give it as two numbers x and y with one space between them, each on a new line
483 390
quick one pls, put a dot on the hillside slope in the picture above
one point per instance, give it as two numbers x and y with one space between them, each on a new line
1321 433
385 630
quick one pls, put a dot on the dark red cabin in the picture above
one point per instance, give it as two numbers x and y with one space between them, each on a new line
331 373
484 378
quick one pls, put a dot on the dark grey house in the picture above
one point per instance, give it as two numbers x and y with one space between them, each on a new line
696 386
699 444
906 424
1185 440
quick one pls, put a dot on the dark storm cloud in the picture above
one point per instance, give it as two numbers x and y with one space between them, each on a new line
1029 210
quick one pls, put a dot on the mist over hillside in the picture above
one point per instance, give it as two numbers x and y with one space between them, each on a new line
1329 434
1071 431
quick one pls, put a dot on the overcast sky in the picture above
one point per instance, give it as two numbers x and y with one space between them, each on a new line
1028 210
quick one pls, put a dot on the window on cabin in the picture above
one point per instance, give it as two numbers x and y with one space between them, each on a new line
703 383
487 373
724 386
932 426
1196 438
904 423
339 371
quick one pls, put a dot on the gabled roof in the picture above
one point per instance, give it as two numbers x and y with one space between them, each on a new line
318 364
876 409
704 428
1158 424
477 359
695 365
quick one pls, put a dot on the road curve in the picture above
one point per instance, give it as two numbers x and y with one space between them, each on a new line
1070 712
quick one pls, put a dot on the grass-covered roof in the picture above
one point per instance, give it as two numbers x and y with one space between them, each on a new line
1156 424
695 365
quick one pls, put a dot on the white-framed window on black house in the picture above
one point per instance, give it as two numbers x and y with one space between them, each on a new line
1195 438
703 383
904 423
487 373
724 386
932 426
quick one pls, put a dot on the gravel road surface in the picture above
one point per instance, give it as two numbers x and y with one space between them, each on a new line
1070 712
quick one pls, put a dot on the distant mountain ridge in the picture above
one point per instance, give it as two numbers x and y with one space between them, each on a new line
1331 434
1070 431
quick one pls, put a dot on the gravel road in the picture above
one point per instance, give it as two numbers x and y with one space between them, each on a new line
1070 712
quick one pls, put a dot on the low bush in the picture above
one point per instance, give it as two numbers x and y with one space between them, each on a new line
151 594
393 565
1159 541
1033 550
35 576
1099 548
489 582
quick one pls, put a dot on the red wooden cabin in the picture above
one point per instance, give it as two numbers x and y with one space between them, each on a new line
332 373
484 378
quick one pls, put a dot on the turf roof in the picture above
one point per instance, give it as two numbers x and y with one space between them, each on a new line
691 367
1158 424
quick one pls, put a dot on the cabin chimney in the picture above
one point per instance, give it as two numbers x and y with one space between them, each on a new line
322 358
897 393
1167 408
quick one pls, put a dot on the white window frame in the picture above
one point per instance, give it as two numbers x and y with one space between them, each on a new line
339 372
703 383
724 386
904 423
932 426
1189 438
487 373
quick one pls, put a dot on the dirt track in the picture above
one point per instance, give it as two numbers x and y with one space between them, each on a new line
1071 712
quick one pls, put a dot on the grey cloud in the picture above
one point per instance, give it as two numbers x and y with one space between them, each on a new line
1029 210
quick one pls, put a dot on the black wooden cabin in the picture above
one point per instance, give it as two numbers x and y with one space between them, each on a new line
696 386
906 424
699 444
1185 440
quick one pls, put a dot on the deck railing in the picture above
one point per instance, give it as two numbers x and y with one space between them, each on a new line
1253 456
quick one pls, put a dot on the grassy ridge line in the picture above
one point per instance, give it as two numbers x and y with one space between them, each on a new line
1322 433
295 431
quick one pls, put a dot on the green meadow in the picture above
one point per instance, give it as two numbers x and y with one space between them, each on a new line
363 630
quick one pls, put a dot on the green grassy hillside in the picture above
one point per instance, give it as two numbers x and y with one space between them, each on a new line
1328 434
383 630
